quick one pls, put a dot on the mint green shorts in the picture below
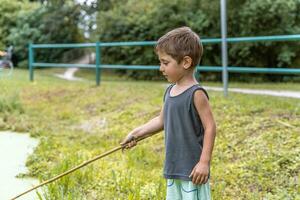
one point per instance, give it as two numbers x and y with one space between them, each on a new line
186 190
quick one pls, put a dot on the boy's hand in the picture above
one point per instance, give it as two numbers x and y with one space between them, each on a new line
200 173
129 141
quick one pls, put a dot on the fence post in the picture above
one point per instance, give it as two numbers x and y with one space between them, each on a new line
224 46
98 63
30 61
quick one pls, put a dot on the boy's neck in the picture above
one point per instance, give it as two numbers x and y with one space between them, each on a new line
187 80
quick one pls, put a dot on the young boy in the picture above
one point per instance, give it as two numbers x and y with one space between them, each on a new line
185 116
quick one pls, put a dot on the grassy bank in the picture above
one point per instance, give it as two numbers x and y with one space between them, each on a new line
256 153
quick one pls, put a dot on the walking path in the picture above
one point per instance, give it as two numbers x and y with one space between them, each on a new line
279 93
69 73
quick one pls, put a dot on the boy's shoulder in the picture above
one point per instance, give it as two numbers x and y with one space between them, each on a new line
200 92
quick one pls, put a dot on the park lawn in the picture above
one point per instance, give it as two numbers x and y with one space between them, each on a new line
256 155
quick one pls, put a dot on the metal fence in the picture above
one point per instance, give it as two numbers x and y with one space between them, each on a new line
99 45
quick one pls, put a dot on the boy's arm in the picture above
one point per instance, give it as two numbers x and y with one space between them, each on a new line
201 170
153 126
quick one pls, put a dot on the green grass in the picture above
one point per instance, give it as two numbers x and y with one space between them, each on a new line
256 153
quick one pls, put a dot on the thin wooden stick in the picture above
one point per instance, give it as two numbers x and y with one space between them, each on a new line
286 124
78 167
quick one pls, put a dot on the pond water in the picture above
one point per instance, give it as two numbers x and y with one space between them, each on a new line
14 150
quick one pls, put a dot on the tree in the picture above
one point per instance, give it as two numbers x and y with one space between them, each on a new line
50 23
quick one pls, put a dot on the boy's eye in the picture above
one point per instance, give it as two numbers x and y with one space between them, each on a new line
164 63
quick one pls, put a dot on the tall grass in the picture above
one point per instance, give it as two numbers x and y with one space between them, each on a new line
11 104
256 155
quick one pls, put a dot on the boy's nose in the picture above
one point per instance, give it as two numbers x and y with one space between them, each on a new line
161 68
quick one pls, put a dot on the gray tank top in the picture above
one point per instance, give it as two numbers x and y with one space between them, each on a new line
184 133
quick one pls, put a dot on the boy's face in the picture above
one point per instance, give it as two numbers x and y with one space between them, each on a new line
169 67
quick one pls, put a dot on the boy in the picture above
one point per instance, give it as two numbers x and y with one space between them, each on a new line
185 116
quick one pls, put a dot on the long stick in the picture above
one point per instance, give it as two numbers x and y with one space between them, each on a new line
78 167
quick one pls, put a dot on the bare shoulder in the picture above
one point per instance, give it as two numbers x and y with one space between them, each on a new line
203 108
200 98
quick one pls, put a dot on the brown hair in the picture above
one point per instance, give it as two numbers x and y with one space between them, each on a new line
181 42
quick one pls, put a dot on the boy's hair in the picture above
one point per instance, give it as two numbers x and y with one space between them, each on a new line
181 42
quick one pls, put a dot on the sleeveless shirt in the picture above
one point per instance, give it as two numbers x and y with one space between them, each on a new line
184 133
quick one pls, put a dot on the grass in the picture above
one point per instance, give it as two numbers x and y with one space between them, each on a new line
256 153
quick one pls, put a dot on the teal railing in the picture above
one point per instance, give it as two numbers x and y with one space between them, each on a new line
99 45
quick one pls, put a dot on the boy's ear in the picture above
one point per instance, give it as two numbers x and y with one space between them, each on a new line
187 62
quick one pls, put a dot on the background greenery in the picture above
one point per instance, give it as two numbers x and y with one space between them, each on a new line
53 22
256 155
56 21
147 20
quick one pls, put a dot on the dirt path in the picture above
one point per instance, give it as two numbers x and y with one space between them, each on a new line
70 72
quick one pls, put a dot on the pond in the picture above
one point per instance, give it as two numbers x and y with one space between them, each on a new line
14 150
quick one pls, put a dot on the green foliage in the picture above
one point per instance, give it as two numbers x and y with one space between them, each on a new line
136 20
145 20
259 18
9 15
57 21
50 23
